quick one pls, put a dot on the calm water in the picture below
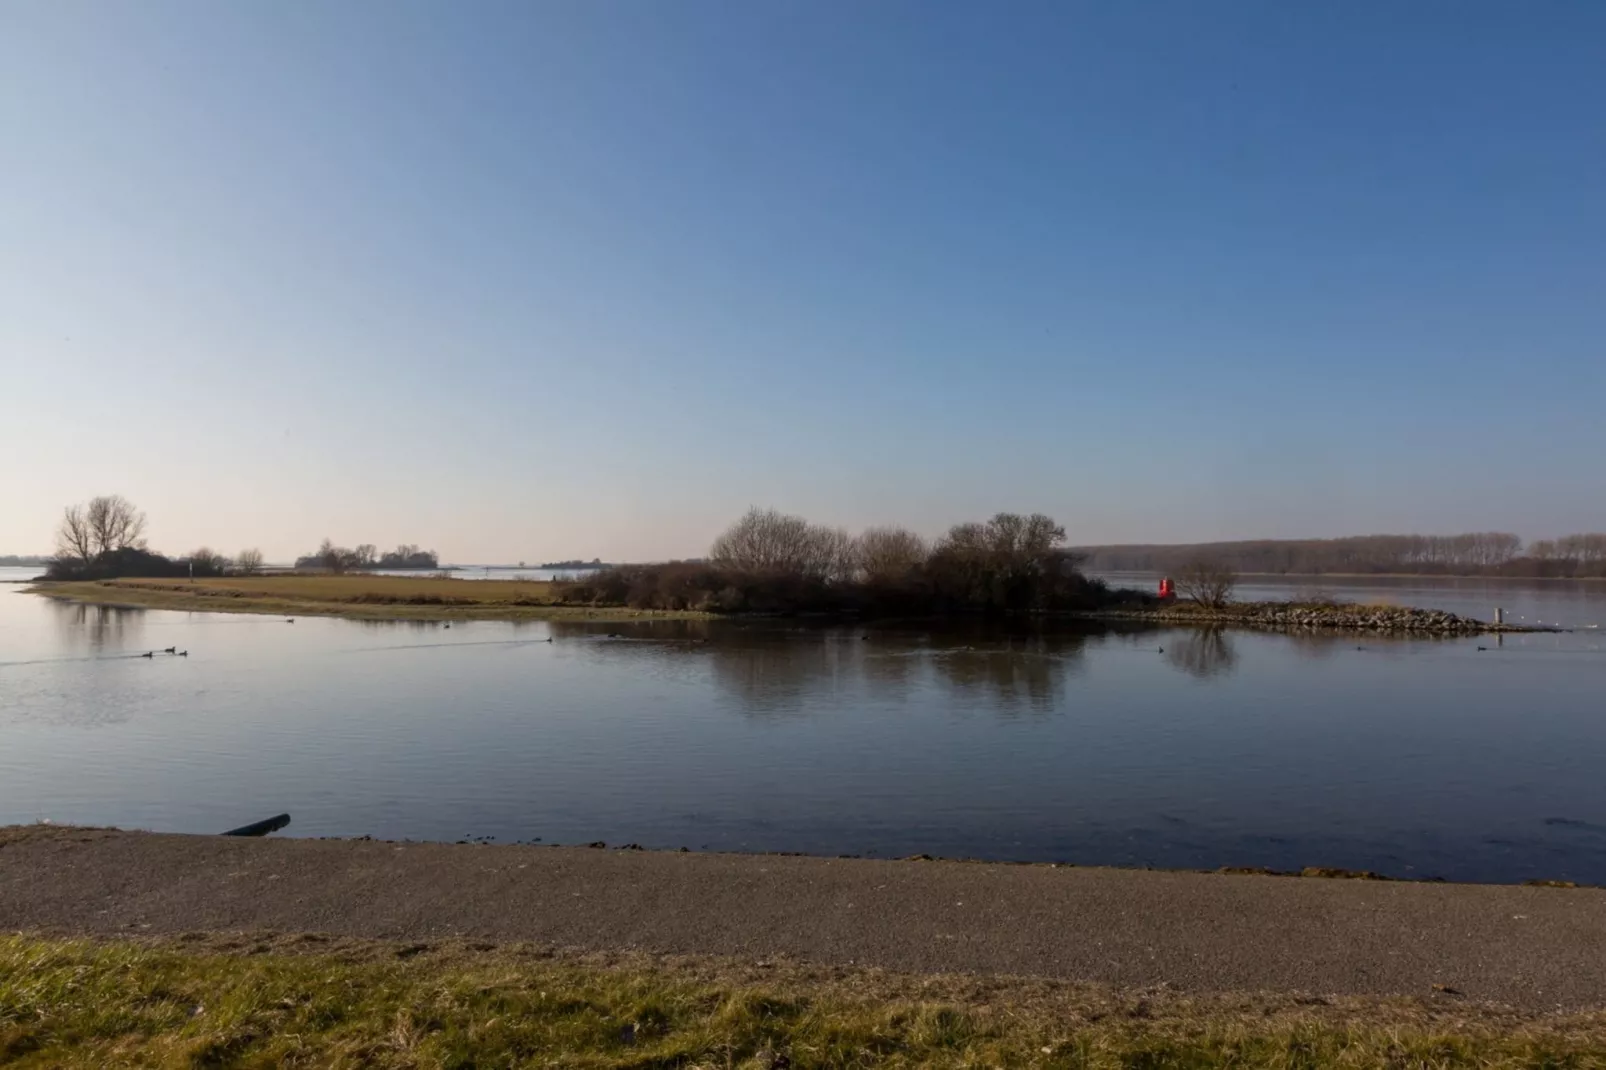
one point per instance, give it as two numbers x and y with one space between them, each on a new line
1419 758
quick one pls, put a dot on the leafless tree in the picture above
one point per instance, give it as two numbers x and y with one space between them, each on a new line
1011 562
248 562
364 556
106 523
890 554
115 523
74 539
1208 583
836 554
207 562
332 557
766 541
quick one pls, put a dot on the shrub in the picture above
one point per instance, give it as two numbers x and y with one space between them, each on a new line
130 561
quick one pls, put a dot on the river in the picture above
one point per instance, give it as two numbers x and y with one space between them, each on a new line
1093 745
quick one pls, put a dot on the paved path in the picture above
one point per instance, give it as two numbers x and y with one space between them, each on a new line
1531 947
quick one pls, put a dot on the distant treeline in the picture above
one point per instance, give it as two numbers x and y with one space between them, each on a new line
366 556
768 562
1487 553
595 562
13 561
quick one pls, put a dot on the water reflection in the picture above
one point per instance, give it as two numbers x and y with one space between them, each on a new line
1011 672
775 674
1202 653
771 668
99 628
1063 742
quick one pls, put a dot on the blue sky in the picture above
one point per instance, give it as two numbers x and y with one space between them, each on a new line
522 279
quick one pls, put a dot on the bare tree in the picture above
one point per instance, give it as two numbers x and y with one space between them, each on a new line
248 562
105 524
1011 562
1208 583
331 556
889 555
205 561
74 539
115 523
768 541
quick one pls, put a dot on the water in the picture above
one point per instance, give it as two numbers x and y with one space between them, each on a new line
1414 758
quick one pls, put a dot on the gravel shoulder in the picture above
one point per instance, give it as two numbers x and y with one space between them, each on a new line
1526 947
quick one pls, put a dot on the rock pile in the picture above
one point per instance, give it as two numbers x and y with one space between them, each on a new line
1294 615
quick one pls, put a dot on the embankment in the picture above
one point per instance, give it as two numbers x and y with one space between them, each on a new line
1531 947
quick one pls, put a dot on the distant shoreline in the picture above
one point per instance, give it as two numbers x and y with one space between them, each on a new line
1364 576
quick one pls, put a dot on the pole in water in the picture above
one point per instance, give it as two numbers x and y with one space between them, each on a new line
261 828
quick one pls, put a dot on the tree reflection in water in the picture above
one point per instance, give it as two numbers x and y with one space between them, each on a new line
773 668
97 627
1011 673
1202 652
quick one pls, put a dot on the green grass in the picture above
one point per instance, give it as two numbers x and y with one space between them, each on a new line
302 1002
361 596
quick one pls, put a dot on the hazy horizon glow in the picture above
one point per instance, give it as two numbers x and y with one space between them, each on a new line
538 281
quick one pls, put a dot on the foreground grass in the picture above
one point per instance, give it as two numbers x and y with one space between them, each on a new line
79 1004
360 596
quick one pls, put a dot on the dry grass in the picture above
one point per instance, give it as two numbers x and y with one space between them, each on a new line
363 596
304 1001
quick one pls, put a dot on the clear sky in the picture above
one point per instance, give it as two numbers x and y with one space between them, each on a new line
540 279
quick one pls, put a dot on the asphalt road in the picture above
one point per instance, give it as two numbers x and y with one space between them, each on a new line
1534 948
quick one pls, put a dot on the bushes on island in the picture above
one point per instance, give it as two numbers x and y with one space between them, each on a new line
136 562
769 562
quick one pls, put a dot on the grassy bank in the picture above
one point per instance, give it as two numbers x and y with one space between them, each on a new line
304 1001
362 596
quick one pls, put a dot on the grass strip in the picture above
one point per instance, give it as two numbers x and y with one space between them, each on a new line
305 1001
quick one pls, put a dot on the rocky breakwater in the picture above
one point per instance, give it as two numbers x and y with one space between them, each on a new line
1292 615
